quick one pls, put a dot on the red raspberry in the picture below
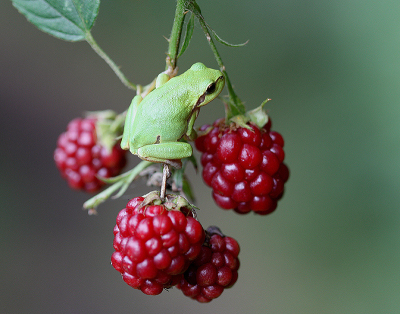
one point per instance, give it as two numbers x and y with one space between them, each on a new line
81 159
153 245
214 269
244 167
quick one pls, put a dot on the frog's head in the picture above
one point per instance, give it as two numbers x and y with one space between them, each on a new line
206 84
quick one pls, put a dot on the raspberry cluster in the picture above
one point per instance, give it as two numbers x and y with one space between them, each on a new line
243 166
81 159
154 245
215 269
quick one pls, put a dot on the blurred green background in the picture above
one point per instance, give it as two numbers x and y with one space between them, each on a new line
332 69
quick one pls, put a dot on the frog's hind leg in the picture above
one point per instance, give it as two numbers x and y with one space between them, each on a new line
176 163
169 153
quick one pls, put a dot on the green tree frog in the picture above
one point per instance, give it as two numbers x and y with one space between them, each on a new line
155 124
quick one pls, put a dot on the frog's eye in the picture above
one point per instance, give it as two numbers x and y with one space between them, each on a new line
211 88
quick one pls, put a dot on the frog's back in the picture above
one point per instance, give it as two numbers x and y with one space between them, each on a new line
160 119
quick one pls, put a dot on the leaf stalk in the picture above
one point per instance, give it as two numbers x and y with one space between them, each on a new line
89 38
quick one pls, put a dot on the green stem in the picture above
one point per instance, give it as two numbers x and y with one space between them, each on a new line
119 183
89 38
176 33
236 106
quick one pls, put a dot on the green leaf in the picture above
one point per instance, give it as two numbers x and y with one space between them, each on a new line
188 35
178 178
193 7
187 189
65 19
193 160
219 39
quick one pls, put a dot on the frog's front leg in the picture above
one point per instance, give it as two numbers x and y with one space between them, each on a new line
191 134
168 153
129 119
